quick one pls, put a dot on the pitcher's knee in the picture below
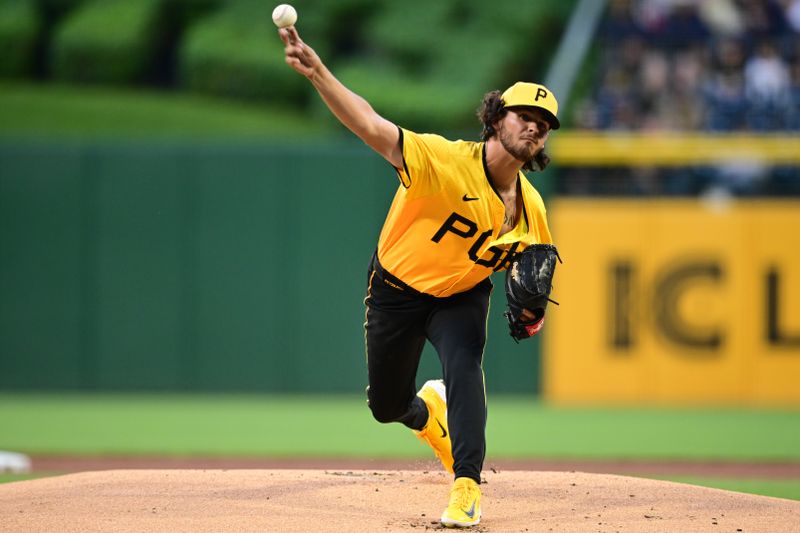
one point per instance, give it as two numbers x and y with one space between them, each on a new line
386 414
383 411
383 417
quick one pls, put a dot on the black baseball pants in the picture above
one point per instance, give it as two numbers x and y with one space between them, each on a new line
399 320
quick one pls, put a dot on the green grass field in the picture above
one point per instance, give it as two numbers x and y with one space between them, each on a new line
341 426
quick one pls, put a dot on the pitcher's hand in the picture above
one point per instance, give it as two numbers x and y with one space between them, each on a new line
299 55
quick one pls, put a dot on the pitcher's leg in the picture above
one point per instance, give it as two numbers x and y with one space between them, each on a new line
458 331
394 334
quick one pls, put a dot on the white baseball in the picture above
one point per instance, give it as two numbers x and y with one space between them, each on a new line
284 16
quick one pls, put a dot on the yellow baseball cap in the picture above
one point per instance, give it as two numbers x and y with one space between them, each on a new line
533 95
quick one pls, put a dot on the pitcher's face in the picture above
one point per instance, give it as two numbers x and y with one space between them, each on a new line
523 132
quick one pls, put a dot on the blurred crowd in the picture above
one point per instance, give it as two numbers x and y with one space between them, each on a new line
694 65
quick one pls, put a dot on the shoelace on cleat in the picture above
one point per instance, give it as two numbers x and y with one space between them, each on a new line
462 497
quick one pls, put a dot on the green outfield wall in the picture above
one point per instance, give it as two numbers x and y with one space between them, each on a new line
199 267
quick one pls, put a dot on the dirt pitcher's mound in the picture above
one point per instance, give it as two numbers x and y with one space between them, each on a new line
370 501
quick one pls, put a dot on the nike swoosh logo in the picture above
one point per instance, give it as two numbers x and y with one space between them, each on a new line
468 198
444 431
471 512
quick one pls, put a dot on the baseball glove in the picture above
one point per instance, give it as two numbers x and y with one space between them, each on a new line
529 280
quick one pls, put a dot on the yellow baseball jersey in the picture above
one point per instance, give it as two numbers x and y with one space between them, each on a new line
442 233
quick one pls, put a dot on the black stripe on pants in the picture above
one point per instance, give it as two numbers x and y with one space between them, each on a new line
399 320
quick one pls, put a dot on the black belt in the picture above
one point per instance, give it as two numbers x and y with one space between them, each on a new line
398 284
392 280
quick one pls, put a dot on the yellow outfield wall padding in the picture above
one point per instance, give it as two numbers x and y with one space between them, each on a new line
675 302
576 148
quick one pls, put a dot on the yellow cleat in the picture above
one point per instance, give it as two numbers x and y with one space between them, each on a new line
464 509
435 433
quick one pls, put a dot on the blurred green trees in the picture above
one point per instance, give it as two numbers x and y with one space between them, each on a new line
419 62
